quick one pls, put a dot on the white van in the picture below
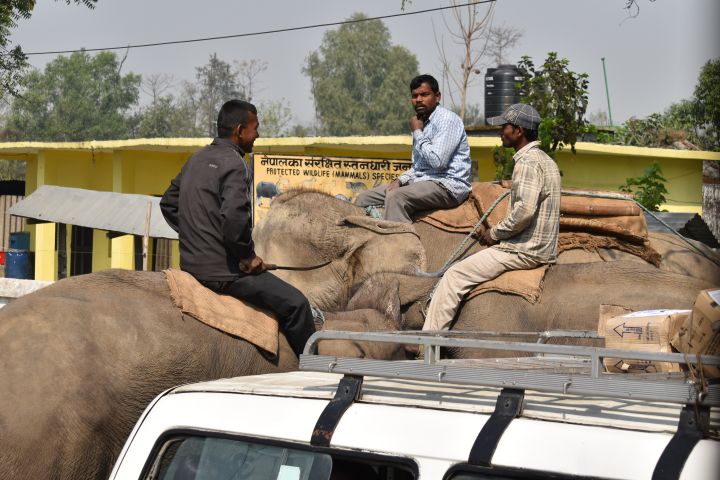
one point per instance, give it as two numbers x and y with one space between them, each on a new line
553 415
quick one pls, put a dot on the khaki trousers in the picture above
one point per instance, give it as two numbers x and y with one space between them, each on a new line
402 202
464 276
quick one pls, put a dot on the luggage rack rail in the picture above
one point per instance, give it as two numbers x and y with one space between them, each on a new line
596 383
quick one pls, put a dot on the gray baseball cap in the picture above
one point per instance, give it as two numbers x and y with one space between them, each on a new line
520 115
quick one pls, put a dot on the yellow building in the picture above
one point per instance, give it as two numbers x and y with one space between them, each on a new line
146 166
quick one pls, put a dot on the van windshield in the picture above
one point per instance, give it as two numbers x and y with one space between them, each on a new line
208 458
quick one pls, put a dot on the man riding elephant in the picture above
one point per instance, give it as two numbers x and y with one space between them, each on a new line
440 172
528 235
209 204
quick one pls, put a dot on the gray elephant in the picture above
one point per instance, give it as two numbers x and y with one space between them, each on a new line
573 289
81 359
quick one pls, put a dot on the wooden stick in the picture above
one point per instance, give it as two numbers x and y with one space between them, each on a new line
146 237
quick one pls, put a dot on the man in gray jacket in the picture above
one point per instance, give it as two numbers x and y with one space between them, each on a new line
209 204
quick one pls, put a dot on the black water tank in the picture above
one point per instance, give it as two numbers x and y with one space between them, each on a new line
500 89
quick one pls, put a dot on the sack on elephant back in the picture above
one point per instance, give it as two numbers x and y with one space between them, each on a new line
585 222
222 312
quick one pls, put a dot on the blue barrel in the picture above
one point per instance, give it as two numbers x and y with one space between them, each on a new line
17 264
20 241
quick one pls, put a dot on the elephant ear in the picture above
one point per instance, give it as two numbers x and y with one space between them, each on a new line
382 227
379 293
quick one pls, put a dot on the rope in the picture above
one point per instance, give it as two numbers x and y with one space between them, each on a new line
458 250
318 316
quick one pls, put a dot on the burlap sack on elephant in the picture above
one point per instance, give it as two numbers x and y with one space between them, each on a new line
222 312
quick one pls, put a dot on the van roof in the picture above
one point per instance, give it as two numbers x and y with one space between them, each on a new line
638 415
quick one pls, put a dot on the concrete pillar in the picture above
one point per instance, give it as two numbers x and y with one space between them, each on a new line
123 252
46 265
122 249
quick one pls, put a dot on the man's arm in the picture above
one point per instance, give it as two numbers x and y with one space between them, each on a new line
407 176
169 203
438 151
526 188
236 213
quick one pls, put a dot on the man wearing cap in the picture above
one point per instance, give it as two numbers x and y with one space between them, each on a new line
527 237
440 172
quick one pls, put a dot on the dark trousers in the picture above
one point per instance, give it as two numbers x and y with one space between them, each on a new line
400 204
268 292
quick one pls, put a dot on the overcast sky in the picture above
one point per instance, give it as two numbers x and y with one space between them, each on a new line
652 60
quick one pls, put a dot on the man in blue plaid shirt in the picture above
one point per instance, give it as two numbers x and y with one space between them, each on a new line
440 173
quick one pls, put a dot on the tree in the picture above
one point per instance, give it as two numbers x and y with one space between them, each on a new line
469 27
560 96
216 84
80 97
13 61
501 39
360 82
275 117
247 72
166 117
707 103
707 100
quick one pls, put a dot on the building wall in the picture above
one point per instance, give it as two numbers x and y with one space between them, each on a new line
147 166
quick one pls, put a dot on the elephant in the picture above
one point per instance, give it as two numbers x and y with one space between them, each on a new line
573 289
307 228
81 359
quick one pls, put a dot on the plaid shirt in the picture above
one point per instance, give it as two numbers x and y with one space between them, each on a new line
533 223
441 153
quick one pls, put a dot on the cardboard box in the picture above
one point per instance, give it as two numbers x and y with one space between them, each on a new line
700 333
645 331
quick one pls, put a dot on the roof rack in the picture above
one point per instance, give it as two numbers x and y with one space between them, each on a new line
670 389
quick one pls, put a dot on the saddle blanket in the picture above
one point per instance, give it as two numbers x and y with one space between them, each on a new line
222 312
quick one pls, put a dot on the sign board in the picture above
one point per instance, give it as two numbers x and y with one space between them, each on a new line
342 177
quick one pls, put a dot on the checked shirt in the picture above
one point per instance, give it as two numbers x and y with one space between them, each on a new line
441 153
533 222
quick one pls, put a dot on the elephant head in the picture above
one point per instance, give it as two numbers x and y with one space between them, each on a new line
376 309
305 228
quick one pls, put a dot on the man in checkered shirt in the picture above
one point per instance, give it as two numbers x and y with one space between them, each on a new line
440 173
527 237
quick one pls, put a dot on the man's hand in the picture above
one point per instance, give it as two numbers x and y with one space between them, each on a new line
486 238
253 265
416 123
395 184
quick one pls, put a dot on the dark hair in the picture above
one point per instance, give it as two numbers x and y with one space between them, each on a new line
233 113
530 135
429 79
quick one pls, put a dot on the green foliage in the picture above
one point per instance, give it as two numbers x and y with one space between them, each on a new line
275 117
504 162
80 97
166 117
13 61
696 119
217 83
12 170
648 189
653 131
560 96
360 81
707 104
474 115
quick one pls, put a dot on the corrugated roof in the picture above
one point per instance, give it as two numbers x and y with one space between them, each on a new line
114 212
